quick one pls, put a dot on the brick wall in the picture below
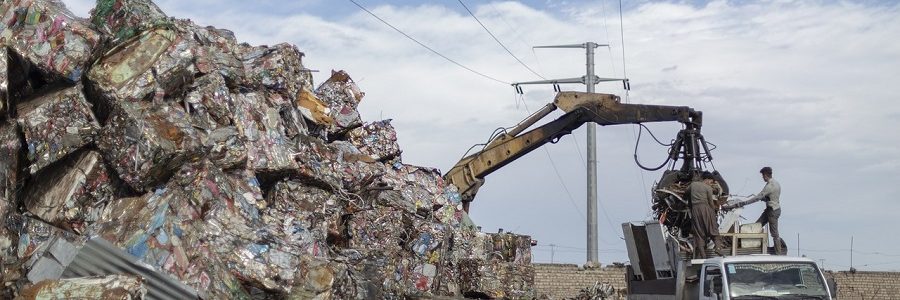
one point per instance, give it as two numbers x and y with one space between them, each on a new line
566 280
560 281
867 285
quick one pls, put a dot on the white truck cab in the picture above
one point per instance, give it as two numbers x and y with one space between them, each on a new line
660 268
761 276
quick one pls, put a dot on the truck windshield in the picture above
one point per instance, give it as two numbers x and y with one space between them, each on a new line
781 280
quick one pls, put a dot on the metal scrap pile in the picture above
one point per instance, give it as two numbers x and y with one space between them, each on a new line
217 165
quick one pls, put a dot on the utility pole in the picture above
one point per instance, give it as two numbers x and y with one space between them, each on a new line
552 252
589 79
851 252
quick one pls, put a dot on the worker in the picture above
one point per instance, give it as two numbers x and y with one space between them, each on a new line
771 194
705 224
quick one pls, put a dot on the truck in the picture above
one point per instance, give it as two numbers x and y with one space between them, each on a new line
760 276
660 267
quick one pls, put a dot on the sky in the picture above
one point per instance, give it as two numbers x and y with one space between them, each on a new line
806 87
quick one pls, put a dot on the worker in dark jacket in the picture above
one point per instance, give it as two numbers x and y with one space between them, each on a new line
705 224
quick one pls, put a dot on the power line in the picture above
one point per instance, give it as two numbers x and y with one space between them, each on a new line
498 40
426 47
555 169
517 35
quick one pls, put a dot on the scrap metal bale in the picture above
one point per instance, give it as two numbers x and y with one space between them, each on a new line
123 19
232 228
125 287
55 125
146 144
319 278
380 231
72 194
430 248
211 106
277 68
269 151
341 95
317 161
377 139
49 36
336 165
165 230
155 64
423 188
305 217
218 52
226 147
210 102
267 251
496 279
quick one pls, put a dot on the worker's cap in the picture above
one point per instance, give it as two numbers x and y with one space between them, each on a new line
707 175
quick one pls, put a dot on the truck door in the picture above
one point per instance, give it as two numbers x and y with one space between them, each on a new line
711 285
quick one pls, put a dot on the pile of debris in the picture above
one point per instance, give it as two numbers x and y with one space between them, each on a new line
142 154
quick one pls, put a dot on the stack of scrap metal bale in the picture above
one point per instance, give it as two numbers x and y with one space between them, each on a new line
214 164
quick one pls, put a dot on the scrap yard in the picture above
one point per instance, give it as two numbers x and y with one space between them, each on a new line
146 155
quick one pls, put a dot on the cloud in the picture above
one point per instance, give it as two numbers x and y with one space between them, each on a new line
807 87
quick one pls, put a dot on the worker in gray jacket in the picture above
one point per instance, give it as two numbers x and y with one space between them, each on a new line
704 223
771 194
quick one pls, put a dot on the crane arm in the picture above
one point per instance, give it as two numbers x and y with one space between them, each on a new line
604 109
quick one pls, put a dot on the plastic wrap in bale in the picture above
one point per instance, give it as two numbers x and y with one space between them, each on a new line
154 64
165 230
49 36
72 194
146 144
341 95
377 139
55 125
124 287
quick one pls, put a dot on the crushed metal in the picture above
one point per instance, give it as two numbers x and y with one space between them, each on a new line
193 159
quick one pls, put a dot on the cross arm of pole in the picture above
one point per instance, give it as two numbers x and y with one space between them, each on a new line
582 80
584 45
